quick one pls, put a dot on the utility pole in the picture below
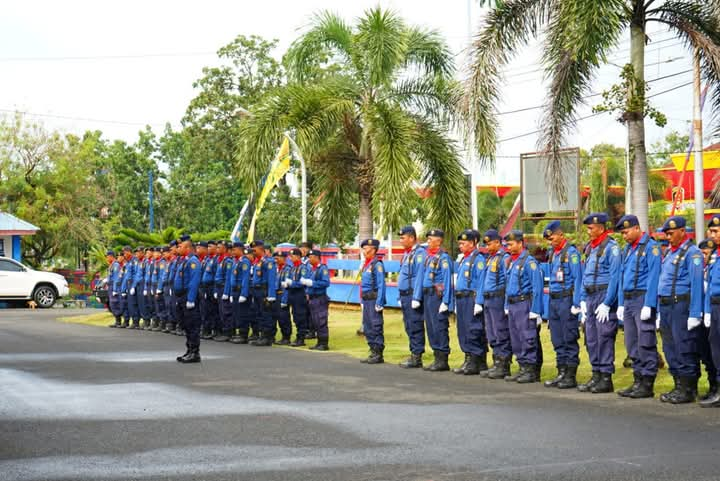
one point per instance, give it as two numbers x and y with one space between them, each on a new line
303 188
698 147
150 201
471 166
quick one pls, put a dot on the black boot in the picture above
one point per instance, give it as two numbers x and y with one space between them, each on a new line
528 374
712 391
147 324
205 333
635 385
157 326
569 380
322 344
223 336
412 362
253 336
135 324
482 365
591 383
240 337
712 400
500 369
604 385
311 334
126 324
476 364
486 373
644 389
192 357
285 341
117 323
556 380
687 391
263 341
299 341
439 364
514 377
375 356
461 369
187 351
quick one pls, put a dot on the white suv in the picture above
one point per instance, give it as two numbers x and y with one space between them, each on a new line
18 282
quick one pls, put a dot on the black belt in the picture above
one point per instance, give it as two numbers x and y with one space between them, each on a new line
406 292
714 299
561 294
205 286
634 294
257 288
369 296
180 292
428 290
461 294
667 300
596 288
493 294
516 299
279 292
315 296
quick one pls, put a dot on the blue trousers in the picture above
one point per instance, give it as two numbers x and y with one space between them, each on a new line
373 324
243 314
470 328
564 332
133 306
640 338
161 308
714 337
705 351
414 325
142 301
679 345
262 311
318 307
169 305
436 323
281 317
600 337
497 327
523 333
190 319
115 305
298 303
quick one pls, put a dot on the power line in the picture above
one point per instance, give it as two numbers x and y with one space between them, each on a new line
105 57
83 119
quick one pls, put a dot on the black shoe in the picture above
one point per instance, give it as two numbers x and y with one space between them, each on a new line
375 356
322 345
500 369
192 357
187 351
561 370
439 364
205 334
712 391
476 364
604 385
299 342
666 396
644 389
125 325
628 362
147 325
514 377
253 336
711 402
636 384
360 332
311 335
487 371
240 338
569 380
223 336
414 361
461 369
687 391
528 374
285 341
591 383
158 326
263 341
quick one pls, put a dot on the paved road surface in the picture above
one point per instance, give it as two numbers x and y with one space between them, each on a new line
80 402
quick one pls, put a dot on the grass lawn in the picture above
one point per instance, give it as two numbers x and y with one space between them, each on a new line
345 320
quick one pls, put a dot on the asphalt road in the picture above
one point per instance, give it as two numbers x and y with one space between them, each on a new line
80 402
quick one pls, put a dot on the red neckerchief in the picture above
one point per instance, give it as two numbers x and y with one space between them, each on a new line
637 242
314 268
367 262
515 257
674 249
258 260
561 247
296 263
432 252
599 240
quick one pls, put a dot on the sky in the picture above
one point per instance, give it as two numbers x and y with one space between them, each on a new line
119 66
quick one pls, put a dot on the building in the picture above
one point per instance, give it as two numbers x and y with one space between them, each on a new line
11 230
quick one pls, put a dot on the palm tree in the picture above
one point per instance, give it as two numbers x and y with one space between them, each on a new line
370 106
578 36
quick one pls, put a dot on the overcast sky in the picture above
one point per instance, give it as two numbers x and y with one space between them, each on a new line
118 66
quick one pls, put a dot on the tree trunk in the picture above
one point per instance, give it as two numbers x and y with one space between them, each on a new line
636 129
365 228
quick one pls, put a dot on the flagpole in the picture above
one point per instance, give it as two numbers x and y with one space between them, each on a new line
303 189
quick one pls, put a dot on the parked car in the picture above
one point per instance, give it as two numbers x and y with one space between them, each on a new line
101 291
20 283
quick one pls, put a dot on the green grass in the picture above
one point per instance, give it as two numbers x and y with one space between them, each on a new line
345 320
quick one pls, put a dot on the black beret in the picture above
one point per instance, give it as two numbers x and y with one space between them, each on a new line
370 242
435 233
306 244
314 252
185 238
468 235
707 244
407 230
238 244
491 235
165 249
110 253
295 252
203 244
596 218
257 243
173 243
515 235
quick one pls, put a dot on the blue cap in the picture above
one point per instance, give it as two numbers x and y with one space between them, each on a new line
407 230
139 249
714 221
295 251
468 235
627 221
212 243
707 244
173 243
127 248
203 244
165 249
551 228
238 244
515 235
435 233
370 242
596 218
674 222
306 245
110 253
491 235
278 254
314 252
257 243
184 238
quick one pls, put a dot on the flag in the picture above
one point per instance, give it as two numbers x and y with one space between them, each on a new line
235 236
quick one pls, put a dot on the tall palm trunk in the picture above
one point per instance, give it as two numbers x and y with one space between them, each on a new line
636 126
365 228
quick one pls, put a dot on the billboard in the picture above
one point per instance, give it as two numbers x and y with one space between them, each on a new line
536 195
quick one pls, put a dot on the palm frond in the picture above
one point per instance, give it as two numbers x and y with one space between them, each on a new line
428 51
434 97
382 39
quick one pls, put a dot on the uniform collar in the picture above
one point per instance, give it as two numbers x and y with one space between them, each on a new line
561 247
600 239
674 249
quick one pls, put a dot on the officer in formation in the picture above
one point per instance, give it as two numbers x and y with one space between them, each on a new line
115 272
410 281
711 316
372 293
316 285
280 308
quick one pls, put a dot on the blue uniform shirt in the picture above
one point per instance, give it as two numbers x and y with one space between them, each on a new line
283 274
411 269
190 276
494 279
239 284
223 272
641 272
525 277
179 273
149 271
162 274
604 269
114 277
172 267
713 281
128 278
301 271
208 274
687 260
264 274
437 273
566 272
470 273
372 278
139 273
320 277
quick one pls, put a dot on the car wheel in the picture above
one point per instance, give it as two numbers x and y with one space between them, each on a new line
44 296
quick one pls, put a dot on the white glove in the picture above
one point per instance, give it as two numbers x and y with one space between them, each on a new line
507 312
378 308
132 291
443 308
189 305
583 307
657 321
534 315
459 257
158 292
242 299
539 321
602 313
225 297
283 306
575 310
271 299
124 294
215 296
170 292
287 283
145 292
231 299
306 282
583 318
706 319
114 293
620 312
400 302
693 322
477 309
415 304
645 313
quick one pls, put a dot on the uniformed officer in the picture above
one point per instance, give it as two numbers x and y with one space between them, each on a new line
263 294
707 247
410 281
128 274
161 300
601 276
305 248
470 319
148 299
139 287
152 291
680 296
280 308
523 306
318 302
492 299
296 297
113 287
711 317
372 293
224 328
212 315
637 305
238 292
187 286
564 290
133 295
168 289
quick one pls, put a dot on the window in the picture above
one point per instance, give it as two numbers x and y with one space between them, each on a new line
2 247
10 266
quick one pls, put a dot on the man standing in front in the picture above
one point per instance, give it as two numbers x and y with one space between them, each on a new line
296 296
680 311
263 294
113 288
318 301
410 281
187 287
711 317
372 292
280 308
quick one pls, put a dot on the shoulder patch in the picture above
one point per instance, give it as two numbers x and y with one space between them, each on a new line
574 259
379 267
445 264
245 267
696 260
615 251
655 251
418 259
480 264
533 265
193 265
